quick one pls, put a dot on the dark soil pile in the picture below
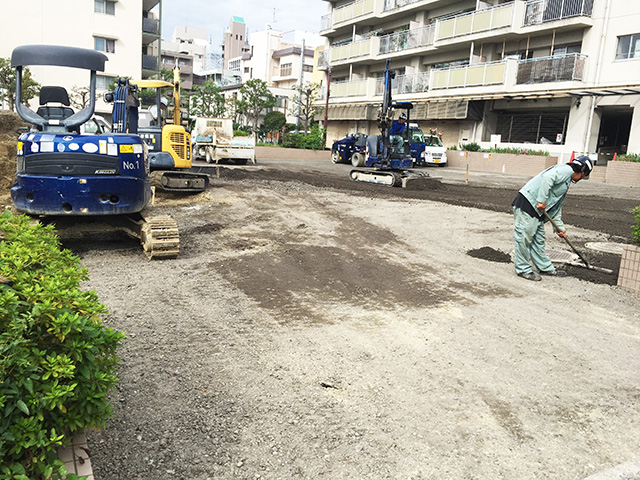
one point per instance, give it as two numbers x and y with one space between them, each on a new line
491 254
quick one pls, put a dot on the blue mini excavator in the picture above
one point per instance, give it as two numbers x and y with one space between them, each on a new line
387 156
66 177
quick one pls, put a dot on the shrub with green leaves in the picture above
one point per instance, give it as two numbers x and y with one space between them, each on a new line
57 359
629 157
635 229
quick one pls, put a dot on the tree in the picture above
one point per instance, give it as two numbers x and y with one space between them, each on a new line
30 88
305 97
79 97
274 121
255 98
207 100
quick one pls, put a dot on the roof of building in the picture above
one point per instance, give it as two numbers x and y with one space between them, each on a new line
237 19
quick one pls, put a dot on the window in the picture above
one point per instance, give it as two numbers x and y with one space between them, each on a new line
105 44
285 70
307 68
104 6
102 82
628 47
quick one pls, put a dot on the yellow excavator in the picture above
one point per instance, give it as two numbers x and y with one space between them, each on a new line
169 144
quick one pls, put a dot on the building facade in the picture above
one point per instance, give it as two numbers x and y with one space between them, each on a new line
235 41
126 31
555 75
273 57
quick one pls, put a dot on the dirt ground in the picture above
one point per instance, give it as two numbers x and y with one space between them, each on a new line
313 327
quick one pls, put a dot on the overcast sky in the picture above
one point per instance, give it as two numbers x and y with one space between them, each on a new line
214 16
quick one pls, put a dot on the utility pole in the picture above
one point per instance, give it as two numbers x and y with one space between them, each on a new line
326 103
300 87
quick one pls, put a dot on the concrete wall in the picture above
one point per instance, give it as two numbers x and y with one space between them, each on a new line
276 153
500 162
623 173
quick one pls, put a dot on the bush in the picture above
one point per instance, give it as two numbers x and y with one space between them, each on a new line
57 360
471 147
241 133
519 151
629 157
635 238
314 140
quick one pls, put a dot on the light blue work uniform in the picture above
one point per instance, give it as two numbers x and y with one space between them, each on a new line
549 187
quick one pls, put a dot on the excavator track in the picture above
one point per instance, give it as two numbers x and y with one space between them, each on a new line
174 181
380 177
159 237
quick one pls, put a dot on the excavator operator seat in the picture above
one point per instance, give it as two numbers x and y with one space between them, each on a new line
57 96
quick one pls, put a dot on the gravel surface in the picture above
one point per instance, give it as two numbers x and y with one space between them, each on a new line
318 329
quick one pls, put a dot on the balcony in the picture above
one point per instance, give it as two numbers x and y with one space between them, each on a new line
151 25
492 73
563 68
324 59
540 11
476 22
347 12
399 41
410 83
348 51
357 88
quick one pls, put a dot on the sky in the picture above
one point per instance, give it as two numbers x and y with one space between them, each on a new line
214 16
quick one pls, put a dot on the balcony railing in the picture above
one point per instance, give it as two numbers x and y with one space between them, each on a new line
149 62
357 88
150 25
410 83
351 50
492 73
563 68
324 58
418 37
325 22
540 11
476 22
392 4
352 10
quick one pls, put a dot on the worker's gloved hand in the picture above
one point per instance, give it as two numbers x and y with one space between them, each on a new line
541 206
562 233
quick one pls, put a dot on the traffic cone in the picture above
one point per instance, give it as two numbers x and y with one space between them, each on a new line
573 156
615 155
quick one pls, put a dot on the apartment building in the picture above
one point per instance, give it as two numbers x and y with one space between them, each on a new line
191 41
124 30
555 75
278 59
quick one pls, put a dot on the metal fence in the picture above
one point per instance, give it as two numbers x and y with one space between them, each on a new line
561 68
418 37
391 4
540 11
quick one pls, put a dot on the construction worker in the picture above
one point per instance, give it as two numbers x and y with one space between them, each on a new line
398 126
395 133
544 192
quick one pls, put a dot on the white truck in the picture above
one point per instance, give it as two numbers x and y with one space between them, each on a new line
213 141
426 149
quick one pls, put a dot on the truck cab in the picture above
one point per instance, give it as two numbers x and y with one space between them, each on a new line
426 149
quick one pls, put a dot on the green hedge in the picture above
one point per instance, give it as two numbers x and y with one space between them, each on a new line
629 157
57 360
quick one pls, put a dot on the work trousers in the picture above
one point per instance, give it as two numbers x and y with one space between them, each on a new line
528 233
